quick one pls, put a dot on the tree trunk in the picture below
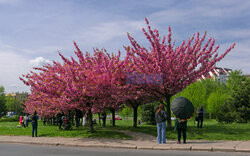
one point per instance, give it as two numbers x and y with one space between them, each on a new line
113 117
53 121
135 116
99 118
169 125
91 128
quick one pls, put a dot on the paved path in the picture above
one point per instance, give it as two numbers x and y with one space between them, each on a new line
139 141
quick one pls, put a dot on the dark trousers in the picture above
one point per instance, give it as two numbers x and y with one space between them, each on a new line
34 129
200 122
183 133
27 124
60 124
77 122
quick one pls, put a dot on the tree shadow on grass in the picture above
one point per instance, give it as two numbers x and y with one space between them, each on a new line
219 132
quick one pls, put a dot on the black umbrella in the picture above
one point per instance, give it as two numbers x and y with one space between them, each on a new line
182 108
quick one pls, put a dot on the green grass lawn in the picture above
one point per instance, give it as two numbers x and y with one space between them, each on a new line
212 130
10 128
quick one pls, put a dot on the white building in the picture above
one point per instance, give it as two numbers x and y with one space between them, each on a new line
221 74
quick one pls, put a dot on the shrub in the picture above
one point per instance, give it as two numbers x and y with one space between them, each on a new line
10 119
226 113
148 113
237 107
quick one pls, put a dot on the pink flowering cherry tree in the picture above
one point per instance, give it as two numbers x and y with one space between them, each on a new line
88 84
179 65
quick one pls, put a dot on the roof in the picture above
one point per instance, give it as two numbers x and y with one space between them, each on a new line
217 71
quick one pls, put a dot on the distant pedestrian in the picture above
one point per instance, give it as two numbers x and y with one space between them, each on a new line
20 120
44 121
26 120
161 117
34 124
181 127
67 124
78 117
200 114
104 116
60 120
23 121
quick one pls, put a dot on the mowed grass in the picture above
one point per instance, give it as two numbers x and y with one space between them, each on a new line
10 128
212 130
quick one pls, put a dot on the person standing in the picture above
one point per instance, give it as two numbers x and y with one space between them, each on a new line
20 120
200 113
34 124
161 117
26 120
181 127
104 116
60 120
23 122
44 121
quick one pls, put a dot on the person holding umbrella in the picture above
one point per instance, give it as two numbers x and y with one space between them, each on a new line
183 109
181 127
161 117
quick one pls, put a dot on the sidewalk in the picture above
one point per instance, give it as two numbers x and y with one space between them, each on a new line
140 141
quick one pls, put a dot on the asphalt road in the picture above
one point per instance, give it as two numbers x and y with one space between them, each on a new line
42 150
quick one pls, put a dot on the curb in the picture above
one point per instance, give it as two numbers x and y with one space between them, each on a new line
218 149
186 148
202 148
242 150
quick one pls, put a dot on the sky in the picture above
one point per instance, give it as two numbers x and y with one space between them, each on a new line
33 31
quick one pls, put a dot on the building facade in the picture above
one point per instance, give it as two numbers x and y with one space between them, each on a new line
222 74
18 96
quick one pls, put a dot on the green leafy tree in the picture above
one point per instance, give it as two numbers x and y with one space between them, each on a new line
237 107
241 100
226 113
209 93
10 103
2 102
14 105
148 113
196 93
236 77
215 100
126 112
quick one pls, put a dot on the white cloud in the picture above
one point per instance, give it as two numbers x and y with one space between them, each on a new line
39 61
12 66
105 32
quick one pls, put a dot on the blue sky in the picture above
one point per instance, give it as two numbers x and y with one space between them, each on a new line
33 31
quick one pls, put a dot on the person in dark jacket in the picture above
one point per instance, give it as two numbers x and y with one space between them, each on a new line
60 120
161 117
34 124
181 127
200 113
